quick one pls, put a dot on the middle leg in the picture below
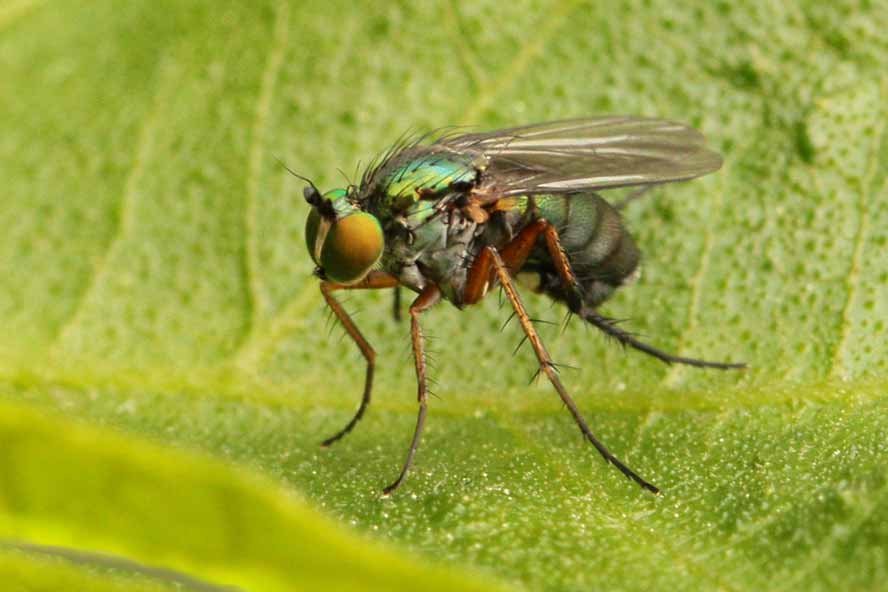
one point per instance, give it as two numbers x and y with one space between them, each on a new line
427 299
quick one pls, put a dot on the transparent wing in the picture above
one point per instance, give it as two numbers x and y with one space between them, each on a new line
588 154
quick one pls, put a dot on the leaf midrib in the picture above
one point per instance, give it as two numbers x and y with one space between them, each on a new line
512 399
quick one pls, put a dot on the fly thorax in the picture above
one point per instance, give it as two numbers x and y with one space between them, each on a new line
441 250
412 178
449 264
428 244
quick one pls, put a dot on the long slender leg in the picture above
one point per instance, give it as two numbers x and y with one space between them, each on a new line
482 277
562 264
373 281
609 327
427 299
548 367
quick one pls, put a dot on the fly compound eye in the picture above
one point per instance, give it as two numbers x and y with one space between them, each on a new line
352 246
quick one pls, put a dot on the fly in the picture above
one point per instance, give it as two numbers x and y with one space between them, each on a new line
451 217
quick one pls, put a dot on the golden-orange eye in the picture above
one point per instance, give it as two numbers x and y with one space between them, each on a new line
352 247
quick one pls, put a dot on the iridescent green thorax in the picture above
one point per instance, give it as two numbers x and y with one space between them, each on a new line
425 240
428 175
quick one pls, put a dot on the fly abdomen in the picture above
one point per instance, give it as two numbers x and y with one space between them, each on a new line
601 251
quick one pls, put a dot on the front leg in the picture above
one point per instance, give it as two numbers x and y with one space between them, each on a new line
427 299
375 280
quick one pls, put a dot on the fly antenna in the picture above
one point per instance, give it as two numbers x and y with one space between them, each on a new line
295 174
313 194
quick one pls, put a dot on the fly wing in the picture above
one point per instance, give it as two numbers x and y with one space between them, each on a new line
587 154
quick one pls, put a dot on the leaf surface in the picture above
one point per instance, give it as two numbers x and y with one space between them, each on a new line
154 281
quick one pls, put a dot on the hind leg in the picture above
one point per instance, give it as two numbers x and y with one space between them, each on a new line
610 328
547 366
577 305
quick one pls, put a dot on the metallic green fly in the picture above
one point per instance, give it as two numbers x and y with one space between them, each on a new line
452 216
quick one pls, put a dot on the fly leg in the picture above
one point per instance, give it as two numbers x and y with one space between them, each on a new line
427 299
548 367
606 325
610 328
375 280
396 304
482 275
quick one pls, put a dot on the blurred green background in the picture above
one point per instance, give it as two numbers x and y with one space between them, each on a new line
167 374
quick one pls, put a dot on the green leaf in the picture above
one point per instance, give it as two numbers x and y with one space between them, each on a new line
21 572
153 279
80 487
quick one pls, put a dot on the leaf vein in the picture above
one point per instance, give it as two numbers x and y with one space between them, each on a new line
751 529
650 418
696 291
671 377
257 346
520 62
125 219
852 280
826 550
467 54
257 300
